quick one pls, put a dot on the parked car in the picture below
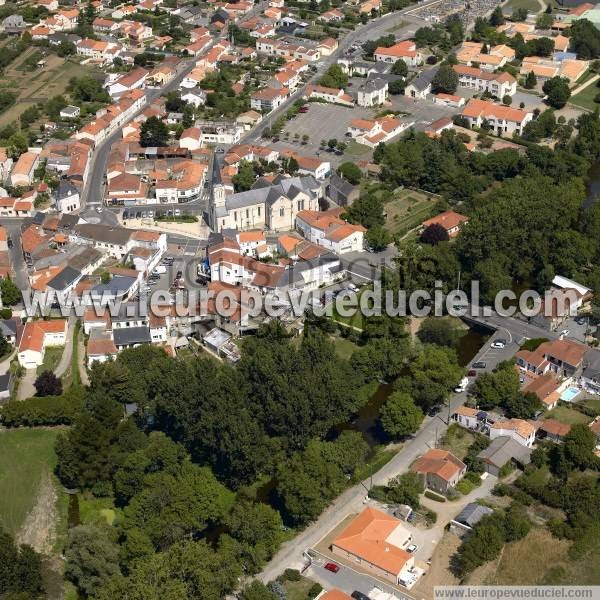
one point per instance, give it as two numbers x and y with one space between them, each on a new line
472 373
359 595
580 320
412 548
462 386
99 209
565 333
159 270
352 287
332 567
480 364
434 410
498 344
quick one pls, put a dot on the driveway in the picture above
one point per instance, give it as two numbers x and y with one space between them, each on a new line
26 388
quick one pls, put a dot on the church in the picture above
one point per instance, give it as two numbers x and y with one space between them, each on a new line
270 204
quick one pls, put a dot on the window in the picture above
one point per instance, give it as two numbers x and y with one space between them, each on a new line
247 213
258 209
235 216
282 212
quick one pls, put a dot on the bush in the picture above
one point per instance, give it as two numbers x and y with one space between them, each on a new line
291 575
501 489
465 487
433 496
521 497
506 470
5 313
474 478
315 590
430 517
533 344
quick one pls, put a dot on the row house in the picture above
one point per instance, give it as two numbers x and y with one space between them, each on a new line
279 48
104 52
498 84
15 207
185 183
125 83
23 171
501 119
563 357
104 26
127 190
493 58
519 430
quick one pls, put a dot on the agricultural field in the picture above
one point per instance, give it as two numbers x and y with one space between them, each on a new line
407 210
38 84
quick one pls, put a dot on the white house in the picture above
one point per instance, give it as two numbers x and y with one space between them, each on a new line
501 119
328 230
36 337
372 93
466 416
66 197
519 430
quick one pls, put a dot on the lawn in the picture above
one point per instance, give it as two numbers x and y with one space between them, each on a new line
356 320
94 510
532 6
52 357
298 590
457 440
564 414
37 85
25 456
593 403
407 210
356 150
585 98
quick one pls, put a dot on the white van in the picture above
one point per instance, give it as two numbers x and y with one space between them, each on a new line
160 269
462 386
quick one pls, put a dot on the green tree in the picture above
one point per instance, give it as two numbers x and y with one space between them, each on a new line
530 81
435 330
400 68
445 80
557 91
245 178
400 416
92 558
405 489
20 570
334 77
544 21
350 172
378 238
48 384
154 133
497 17
396 87
257 590
9 292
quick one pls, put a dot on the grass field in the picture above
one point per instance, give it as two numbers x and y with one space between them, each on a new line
25 456
547 562
457 440
593 403
568 415
37 85
298 590
356 320
356 150
407 210
532 6
585 98
52 357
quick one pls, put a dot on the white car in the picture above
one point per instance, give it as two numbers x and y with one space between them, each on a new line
412 548
352 287
565 333
498 344
99 209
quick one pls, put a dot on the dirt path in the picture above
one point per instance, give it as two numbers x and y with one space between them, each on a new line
85 380
38 530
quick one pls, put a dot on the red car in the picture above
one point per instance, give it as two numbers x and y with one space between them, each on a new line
332 567
472 373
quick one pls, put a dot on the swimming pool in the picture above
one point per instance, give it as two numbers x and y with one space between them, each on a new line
569 394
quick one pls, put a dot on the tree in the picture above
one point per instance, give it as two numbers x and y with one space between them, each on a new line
579 447
445 80
507 100
400 416
20 570
257 590
378 238
434 234
5 347
434 330
334 77
245 178
519 14
48 384
350 172
557 91
400 68
585 39
366 210
405 489
493 389
497 17
92 558
154 133
9 292
396 87
530 81
544 21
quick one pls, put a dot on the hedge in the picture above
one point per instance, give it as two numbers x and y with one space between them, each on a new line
433 496
48 410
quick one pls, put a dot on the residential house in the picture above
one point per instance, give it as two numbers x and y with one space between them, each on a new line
340 191
468 417
468 517
421 86
498 84
326 94
327 229
268 99
563 357
439 469
553 430
127 189
405 50
100 347
36 337
519 430
546 388
125 83
66 197
70 112
501 119
309 165
451 221
372 93
6 164
249 119
376 131
375 542
23 171
503 450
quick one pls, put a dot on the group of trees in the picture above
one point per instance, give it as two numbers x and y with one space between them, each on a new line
334 77
20 570
502 389
443 36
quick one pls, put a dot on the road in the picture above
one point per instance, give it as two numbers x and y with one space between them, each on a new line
352 500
